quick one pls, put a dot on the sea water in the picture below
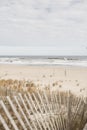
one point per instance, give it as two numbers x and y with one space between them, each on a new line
45 60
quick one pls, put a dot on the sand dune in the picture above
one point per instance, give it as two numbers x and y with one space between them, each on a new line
54 77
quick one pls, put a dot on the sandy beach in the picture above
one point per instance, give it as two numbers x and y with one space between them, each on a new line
20 85
55 77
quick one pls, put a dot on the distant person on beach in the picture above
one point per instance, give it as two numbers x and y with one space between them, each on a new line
65 72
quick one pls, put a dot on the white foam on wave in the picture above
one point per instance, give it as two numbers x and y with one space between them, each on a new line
27 61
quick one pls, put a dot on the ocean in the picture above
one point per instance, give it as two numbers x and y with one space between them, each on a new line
45 60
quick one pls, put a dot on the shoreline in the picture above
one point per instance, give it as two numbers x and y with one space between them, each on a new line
43 65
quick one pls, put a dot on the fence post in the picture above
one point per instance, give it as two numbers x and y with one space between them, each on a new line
69 111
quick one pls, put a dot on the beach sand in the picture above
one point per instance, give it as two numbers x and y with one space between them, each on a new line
56 77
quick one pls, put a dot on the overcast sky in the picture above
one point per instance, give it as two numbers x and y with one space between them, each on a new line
43 27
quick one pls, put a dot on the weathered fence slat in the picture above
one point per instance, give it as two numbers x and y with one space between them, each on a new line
46 122
21 109
34 113
4 123
8 115
43 110
16 113
27 110
50 121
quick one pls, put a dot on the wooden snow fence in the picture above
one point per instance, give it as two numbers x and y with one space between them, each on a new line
43 110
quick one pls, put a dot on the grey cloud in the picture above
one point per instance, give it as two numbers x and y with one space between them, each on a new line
74 2
43 22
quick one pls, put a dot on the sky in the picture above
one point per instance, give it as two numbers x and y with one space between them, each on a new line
43 27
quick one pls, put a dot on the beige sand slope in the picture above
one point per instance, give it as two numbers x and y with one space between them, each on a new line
55 77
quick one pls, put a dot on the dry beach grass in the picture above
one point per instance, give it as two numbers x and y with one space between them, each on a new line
53 76
15 79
